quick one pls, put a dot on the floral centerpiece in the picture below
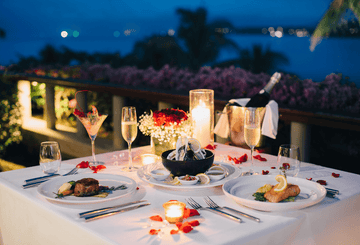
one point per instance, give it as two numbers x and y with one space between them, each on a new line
165 127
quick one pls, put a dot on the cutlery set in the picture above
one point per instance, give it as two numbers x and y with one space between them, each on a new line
37 181
108 211
213 207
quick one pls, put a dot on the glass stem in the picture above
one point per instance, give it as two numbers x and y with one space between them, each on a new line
130 158
93 149
252 159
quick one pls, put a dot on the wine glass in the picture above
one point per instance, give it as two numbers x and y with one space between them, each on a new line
252 131
92 123
288 160
129 131
50 157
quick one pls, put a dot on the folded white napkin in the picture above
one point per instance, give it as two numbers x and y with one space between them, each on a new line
269 126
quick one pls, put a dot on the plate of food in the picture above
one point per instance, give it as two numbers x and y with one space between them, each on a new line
204 181
87 188
273 193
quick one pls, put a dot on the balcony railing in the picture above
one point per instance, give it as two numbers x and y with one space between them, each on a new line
300 121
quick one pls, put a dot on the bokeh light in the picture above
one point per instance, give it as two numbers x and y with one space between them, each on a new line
76 33
116 33
171 32
64 34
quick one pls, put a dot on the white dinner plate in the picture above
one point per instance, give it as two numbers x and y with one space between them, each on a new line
144 174
241 190
49 188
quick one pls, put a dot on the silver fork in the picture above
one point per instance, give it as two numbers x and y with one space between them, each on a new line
213 205
38 181
196 205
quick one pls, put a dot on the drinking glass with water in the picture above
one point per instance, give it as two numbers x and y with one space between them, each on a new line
50 157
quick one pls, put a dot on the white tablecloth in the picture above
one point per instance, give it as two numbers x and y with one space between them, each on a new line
28 218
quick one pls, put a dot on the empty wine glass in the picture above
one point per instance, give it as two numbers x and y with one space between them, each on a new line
252 131
129 131
50 157
288 160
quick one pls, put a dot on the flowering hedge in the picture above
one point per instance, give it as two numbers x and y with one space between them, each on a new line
332 94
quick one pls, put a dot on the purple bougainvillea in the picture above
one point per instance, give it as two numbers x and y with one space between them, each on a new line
332 94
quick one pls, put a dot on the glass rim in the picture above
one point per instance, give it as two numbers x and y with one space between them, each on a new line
49 143
290 146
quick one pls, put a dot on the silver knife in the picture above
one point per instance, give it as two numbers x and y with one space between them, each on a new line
33 184
227 215
103 215
243 214
28 181
100 210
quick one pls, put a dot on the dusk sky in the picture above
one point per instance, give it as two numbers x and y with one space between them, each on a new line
114 26
26 20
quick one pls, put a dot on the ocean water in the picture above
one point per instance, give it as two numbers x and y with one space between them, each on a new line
333 55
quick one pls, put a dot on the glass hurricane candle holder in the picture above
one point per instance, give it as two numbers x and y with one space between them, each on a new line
174 211
202 113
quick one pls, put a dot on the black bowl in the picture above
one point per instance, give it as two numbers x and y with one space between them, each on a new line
193 167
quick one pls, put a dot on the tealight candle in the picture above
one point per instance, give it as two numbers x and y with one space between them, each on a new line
174 211
148 158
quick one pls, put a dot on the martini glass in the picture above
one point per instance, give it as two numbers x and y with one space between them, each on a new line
92 123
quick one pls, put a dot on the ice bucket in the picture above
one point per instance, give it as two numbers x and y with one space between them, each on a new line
236 116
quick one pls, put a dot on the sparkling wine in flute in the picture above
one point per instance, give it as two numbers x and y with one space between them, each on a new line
129 131
252 135
262 98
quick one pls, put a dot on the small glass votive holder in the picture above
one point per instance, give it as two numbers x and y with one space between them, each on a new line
147 159
174 211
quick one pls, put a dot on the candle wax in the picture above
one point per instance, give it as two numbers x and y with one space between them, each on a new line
201 118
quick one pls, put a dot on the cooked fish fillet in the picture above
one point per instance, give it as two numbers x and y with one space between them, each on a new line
290 191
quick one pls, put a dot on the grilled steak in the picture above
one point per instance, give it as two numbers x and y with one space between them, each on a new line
86 187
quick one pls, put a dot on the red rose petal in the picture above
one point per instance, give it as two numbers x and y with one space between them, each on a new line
156 218
335 175
194 223
321 182
265 172
309 178
186 228
178 224
173 232
154 231
273 167
193 212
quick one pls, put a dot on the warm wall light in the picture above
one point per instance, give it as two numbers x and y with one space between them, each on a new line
202 113
174 211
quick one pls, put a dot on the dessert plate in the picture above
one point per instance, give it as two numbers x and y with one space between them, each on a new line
49 188
242 189
144 174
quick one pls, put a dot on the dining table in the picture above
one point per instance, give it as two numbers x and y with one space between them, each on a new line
29 217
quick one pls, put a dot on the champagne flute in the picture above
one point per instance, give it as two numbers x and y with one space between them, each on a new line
252 131
129 131
288 160
50 157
